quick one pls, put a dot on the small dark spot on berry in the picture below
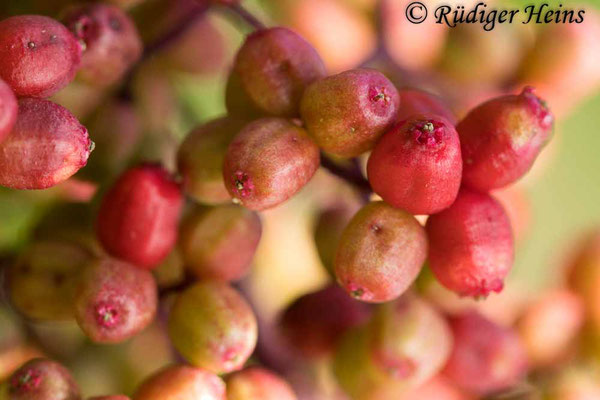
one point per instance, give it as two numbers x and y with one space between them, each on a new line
376 228
357 293
58 279
53 38
31 45
115 24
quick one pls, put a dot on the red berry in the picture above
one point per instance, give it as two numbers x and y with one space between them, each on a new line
38 55
46 146
115 300
257 383
272 69
138 218
417 166
501 139
8 109
380 254
112 397
486 357
42 379
268 162
415 101
346 113
110 41
471 245
181 382
314 323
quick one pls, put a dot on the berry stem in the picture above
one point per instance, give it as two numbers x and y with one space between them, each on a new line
351 174
246 16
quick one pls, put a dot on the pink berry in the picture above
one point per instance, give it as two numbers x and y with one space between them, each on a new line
486 357
257 383
138 217
415 101
46 146
501 139
268 162
38 55
8 109
471 245
42 379
181 382
110 41
417 165
380 253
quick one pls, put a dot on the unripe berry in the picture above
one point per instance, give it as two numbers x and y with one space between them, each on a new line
405 344
380 254
8 109
138 218
115 300
346 113
220 242
110 41
415 101
213 327
471 247
274 66
200 159
486 357
38 55
257 383
46 146
43 280
314 323
501 138
181 382
268 162
42 379
417 165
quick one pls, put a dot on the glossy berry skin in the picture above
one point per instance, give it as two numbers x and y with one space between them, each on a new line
46 146
501 139
471 246
181 382
111 43
38 55
268 162
213 327
43 280
314 323
486 357
42 379
257 383
115 300
274 66
406 343
415 101
220 242
417 165
8 109
138 217
380 253
200 159
346 113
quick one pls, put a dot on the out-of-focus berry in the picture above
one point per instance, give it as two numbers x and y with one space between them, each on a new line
181 382
415 101
111 397
257 383
42 379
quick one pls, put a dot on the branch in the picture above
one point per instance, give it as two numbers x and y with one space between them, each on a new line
352 174
246 16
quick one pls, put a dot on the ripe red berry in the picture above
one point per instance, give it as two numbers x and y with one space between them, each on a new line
417 165
501 139
314 323
46 146
272 69
346 113
38 55
213 327
42 379
415 101
138 217
8 109
257 383
115 300
471 245
486 357
220 242
380 253
268 162
181 382
200 159
110 40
